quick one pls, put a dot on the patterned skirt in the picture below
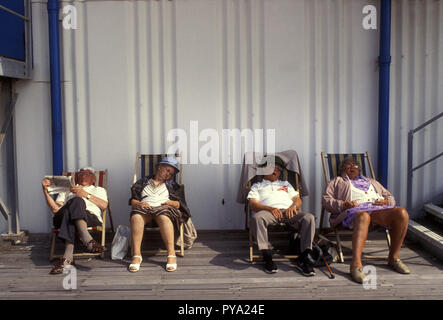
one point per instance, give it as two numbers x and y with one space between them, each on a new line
348 222
175 215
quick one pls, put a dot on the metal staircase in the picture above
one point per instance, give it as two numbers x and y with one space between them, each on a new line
434 211
428 231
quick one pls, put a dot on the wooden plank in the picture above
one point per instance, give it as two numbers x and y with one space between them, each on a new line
213 269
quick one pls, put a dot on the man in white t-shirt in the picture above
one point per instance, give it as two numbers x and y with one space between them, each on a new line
74 211
87 191
273 201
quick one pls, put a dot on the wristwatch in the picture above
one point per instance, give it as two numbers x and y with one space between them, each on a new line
294 205
89 196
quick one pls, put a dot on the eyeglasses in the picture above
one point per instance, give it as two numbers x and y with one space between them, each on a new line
352 166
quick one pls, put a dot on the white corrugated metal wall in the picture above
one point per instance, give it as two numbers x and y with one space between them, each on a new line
133 70
416 96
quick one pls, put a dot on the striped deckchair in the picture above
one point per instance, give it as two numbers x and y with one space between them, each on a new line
101 181
332 163
145 165
331 169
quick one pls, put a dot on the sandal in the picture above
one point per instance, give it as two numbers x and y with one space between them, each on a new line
171 266
134 267
96 247
59 267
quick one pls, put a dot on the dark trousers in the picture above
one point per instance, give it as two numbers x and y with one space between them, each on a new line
64 219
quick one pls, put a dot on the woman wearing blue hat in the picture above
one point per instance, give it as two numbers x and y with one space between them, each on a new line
161 199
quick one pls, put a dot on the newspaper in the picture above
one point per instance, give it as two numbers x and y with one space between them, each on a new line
60 184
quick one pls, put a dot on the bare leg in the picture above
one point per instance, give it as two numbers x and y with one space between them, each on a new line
362 221
397 219
138 222
167 234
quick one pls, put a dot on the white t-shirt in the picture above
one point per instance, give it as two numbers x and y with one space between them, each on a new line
277 194
155 195
98 192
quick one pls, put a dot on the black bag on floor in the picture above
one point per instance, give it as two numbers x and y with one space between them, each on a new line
315 256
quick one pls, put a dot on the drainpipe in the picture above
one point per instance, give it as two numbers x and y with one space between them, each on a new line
56 101
383 110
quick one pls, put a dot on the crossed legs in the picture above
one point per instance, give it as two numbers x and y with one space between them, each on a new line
396 219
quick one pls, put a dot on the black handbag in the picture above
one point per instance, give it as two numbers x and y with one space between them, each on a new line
315 256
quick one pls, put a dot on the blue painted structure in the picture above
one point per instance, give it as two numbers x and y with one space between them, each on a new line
383 110
12 30
56 101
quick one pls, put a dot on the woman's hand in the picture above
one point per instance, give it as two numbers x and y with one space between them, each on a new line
350 204
143 205
172 203
138 204
383 202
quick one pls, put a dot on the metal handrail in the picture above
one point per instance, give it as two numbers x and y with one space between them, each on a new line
410 154
15 13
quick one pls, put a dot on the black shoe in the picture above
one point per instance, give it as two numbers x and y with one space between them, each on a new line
270 266
305 268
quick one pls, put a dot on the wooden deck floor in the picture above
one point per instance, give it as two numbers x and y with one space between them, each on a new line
216 268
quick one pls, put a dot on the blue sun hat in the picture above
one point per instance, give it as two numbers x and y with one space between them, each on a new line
171 161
